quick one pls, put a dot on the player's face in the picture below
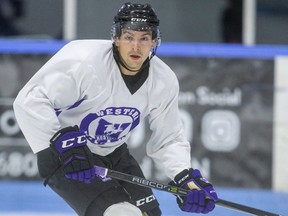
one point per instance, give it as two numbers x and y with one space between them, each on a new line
134 48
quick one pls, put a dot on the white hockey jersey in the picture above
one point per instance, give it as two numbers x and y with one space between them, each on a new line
82 85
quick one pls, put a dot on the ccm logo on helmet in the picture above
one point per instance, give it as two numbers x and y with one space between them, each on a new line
145 200
80 140
138 20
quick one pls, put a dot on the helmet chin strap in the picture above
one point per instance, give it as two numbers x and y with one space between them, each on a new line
120 60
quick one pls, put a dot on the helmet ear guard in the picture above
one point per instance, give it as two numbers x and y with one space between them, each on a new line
138 17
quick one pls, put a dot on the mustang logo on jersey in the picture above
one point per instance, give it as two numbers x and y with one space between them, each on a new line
110 125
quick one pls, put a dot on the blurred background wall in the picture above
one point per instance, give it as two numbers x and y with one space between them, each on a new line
181 21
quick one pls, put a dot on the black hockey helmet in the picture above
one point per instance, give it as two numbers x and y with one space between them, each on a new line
138 17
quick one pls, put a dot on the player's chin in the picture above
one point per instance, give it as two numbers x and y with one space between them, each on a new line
134 67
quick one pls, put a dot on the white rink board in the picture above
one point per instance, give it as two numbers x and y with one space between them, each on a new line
280 136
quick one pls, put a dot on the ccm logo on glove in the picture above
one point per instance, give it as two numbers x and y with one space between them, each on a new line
80 140
183 179
68 138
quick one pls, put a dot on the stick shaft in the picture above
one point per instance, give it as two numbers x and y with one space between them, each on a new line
180 191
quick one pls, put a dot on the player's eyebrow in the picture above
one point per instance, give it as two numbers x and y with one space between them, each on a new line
131 33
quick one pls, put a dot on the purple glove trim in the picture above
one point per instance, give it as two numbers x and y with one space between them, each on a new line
209 207
101 173
196 178
209 190
68 161
196 202
70 140
211 193
201 198
85 176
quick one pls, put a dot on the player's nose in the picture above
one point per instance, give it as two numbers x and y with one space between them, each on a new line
136 43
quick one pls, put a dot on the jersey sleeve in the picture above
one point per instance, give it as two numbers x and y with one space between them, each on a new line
56 85
168 146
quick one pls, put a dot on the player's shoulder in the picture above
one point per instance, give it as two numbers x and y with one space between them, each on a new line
163 79
81 49
88 44
162 71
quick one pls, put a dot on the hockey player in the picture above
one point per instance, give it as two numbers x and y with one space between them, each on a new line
79 109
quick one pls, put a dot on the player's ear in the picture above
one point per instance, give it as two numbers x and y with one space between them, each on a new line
116 41
154 44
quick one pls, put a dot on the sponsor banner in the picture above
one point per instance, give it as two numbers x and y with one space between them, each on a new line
226 106
18 162
16 158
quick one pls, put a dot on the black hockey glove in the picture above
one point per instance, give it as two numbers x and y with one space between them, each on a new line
76 158
201 198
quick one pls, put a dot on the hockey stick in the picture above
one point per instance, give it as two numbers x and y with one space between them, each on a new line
105 172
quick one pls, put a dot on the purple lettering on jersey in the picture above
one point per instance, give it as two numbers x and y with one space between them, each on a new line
110 125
